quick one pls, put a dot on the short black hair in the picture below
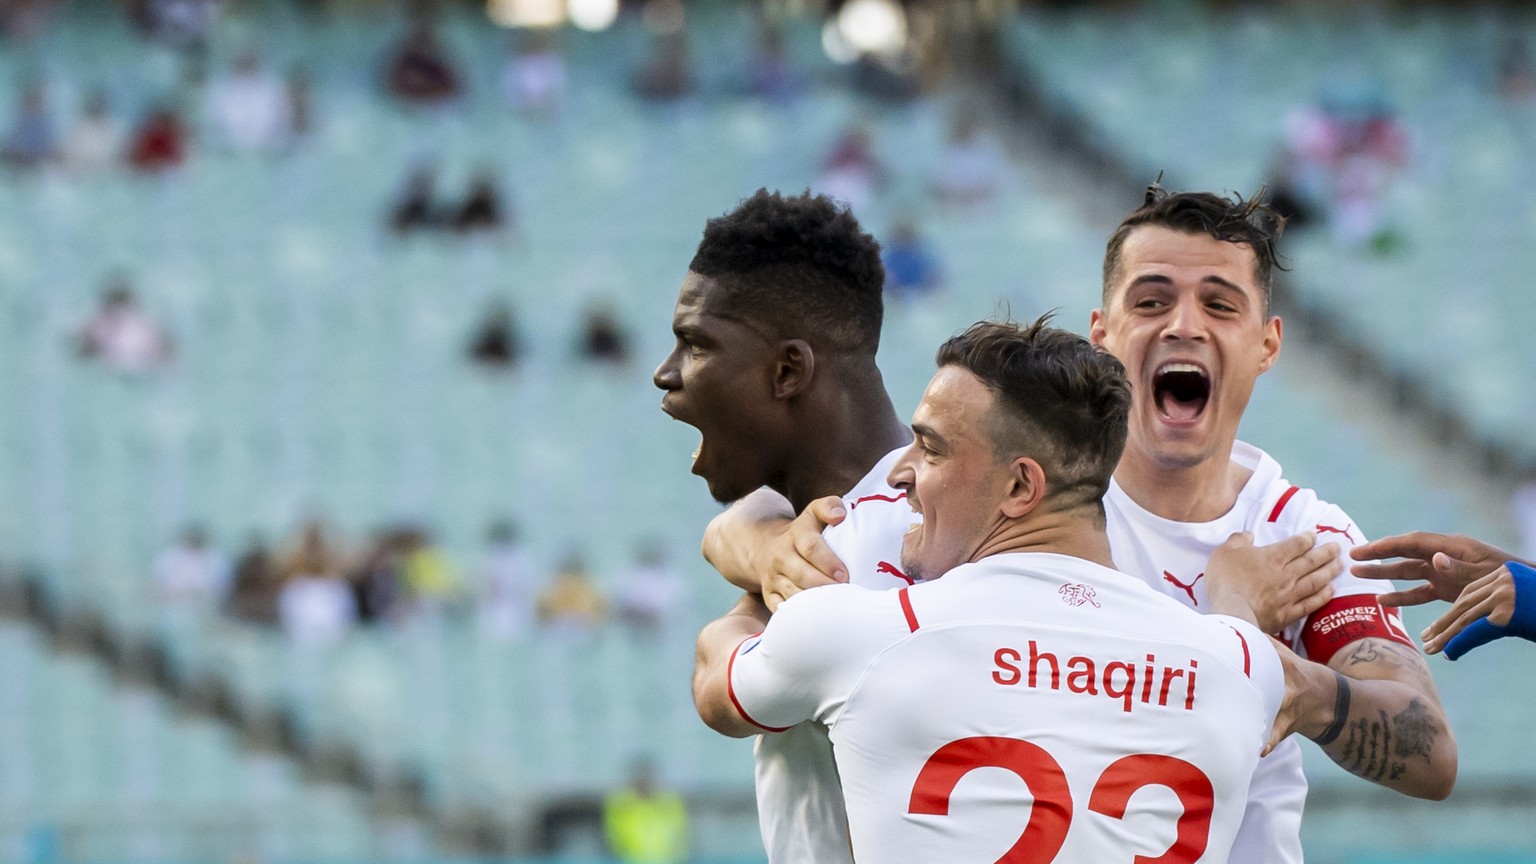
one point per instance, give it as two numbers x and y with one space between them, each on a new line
801 267
1249 221
1060 400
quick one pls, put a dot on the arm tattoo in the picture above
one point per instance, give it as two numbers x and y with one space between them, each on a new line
1402 657
1376 747
1365 653
1416 731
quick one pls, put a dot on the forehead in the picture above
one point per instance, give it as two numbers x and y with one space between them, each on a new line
1154 250
703 304
954 403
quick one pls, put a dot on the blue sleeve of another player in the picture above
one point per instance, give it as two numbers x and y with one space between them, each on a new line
1522 623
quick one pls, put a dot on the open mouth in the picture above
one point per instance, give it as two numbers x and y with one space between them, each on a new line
1181 391
667 409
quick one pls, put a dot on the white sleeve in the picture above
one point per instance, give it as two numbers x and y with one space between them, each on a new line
1261 663
788 673
1333 525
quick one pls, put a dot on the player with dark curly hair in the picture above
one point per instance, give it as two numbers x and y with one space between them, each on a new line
777 325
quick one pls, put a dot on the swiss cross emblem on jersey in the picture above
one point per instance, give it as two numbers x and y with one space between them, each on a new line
1076 594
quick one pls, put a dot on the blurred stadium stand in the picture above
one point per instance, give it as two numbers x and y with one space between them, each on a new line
321 370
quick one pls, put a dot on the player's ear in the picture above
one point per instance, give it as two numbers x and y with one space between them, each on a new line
1096 329
1026 487
1274 334
794 367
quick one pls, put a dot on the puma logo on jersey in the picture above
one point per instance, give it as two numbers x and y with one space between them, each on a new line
1076 594
888 567
1329 529
1187 589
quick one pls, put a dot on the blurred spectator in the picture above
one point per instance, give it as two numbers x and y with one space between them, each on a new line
190 574
892 78
250 107
602 339
666 77
506 583
160 142
534 77
95 143
33 139
253 594
420 71
316 606
496 343
301 106
179 23
22 20
316 610
645 824
1342 154
483 208
910 266
1516 72
429 575
771 76
852 172
972 163
1286 197
415 208
377 582
571 602
123 336
1371 148
650 594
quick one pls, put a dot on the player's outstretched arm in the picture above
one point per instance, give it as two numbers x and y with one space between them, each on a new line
1443 564
759 545
1271 586
1503 603
1388 725
712 666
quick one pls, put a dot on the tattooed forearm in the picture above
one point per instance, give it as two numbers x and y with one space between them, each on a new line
1377 746
1416 731
1394 732
1368 749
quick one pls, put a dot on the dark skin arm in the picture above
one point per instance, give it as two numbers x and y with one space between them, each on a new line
1468 573
711 669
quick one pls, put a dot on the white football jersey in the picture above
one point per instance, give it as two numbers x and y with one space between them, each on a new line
1026 702
800 803
1171 556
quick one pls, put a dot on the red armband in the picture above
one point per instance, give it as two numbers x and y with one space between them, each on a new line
1347 619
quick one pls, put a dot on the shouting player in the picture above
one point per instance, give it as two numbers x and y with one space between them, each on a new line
1030 654
777 325
1186 307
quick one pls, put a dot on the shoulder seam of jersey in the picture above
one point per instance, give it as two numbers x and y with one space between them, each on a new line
1285 498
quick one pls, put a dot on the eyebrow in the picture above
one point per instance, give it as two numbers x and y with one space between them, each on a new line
923 430
1160 279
